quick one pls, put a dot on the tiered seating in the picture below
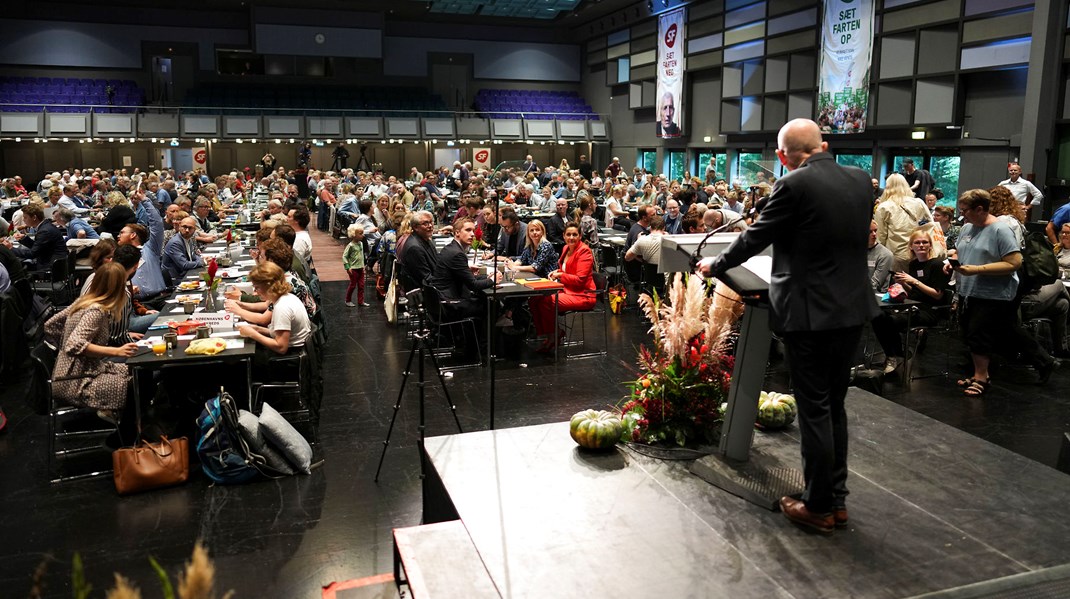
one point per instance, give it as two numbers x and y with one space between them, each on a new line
226 98
57 94
509 103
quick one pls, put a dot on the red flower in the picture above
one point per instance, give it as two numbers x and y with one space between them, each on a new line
212 268
479 233
229 237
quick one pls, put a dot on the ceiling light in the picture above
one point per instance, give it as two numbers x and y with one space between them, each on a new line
238 141
89 139
253 140
111 140
328 141
434 141
291 140
449 143
917 135
383 141
215 140
18 139
64 140
278 141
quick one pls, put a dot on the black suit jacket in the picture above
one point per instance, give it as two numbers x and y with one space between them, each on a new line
454 279
555 231
417 259
817 219
46 246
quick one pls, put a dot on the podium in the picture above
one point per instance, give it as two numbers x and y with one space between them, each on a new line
750 473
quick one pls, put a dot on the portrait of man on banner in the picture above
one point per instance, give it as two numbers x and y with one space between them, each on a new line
667 126
670 74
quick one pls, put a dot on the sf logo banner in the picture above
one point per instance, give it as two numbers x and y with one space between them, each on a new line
670 36
200 156
481 157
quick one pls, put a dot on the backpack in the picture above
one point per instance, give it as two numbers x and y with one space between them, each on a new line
223 453
1039 265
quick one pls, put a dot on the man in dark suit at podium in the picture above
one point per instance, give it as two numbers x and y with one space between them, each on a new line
820 297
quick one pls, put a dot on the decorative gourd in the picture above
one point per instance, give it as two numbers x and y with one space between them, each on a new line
595 429
776 410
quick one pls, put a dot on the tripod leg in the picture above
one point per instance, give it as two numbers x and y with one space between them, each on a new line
397 408
445 390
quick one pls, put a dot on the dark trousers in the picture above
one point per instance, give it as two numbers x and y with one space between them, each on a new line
820 367
888 328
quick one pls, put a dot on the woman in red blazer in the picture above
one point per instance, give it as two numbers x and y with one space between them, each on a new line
575 268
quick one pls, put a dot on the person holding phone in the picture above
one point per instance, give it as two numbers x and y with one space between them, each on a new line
925 282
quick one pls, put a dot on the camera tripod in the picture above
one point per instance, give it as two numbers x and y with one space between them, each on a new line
422 348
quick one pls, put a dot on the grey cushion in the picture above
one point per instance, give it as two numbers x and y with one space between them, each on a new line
286 439
249 427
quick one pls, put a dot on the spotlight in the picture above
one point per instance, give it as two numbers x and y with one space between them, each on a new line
435 141
64 140
154 140
291 140
278 141
111 140
238 141
18 139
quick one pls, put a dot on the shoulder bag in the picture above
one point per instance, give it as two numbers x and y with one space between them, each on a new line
147 466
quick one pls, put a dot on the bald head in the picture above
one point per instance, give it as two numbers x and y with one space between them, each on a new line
797 140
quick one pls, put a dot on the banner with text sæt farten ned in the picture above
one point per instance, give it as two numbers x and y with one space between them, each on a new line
670 73
846 57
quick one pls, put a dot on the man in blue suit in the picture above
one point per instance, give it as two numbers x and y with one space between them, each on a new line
181 254
820 297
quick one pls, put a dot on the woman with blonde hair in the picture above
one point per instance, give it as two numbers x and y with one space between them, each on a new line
84 374
926 283
898 214
290 326
538 256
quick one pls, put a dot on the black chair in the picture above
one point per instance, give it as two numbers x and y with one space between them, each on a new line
83 422
442 319
946 327
601 306
56 282
652 281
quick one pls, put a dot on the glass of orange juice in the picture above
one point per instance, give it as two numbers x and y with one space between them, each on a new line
159 346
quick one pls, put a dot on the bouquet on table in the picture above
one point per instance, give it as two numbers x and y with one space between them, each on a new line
685 377
211 283
478 241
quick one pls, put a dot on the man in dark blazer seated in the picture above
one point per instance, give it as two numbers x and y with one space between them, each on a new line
46 246
820 297
181 255
454 278
416 256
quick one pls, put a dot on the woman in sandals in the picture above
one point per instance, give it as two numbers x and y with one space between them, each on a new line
988 256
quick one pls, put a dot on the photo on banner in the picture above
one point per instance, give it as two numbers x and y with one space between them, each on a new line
846 59
670 73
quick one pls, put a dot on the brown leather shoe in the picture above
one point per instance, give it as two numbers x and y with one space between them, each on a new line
839 515
795 510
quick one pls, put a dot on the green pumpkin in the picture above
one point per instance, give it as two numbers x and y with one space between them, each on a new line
776 410
595 429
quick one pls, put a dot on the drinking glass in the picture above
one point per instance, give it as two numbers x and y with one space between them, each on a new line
159 346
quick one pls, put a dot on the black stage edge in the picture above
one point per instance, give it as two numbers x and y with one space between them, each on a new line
761 480
932 509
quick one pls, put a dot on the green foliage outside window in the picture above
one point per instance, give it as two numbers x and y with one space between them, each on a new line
945 170
862 161
677 164
720 164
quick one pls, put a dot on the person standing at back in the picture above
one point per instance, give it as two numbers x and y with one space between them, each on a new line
820 297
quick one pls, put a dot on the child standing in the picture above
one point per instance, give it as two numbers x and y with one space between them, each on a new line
353 262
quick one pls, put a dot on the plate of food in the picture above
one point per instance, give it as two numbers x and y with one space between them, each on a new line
187 298
232 273
191 285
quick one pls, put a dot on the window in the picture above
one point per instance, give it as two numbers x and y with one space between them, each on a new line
677 163
752 169
648 160
862 161
720 164
945 170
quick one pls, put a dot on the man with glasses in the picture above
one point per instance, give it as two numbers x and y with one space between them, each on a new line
673 219
514 232
181 254
416 254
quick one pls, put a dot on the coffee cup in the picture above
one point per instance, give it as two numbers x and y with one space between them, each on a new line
204 331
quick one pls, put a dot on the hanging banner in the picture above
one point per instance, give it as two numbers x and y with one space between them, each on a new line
200 158
846 57
481 158
670 73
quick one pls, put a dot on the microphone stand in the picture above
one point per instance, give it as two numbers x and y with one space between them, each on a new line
491 355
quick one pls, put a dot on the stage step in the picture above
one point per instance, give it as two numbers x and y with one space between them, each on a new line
440 561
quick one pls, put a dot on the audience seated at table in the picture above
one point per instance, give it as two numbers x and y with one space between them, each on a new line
181 254
289 328
513 233
257 312
454 279
85 374
584 214
416 256
46 246
73 226
574 270
925 282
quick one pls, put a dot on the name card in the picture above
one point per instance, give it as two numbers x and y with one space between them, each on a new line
217 320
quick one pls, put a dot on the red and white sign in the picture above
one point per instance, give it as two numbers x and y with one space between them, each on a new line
200 158
670 87
481 158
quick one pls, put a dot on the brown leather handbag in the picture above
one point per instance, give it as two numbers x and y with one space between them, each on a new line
147 466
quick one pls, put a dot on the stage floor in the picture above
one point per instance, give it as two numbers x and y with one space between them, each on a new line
931 508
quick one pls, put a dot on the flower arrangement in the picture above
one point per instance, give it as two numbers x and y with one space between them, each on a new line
211 283
685 377
477 242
